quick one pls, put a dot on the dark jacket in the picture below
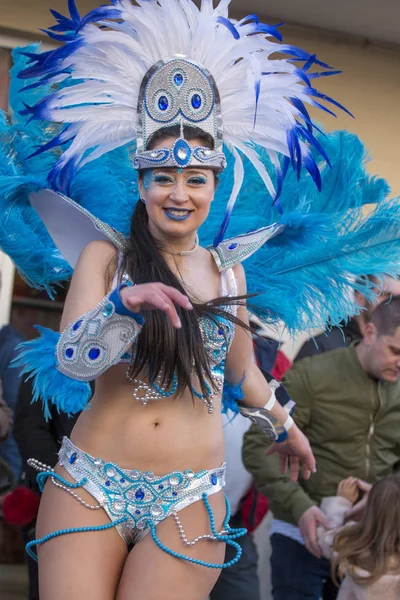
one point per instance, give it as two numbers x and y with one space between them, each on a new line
10 381
337 337
351 420
36 437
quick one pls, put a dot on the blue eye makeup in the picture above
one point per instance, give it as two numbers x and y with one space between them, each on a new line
197 180
162 178
147 179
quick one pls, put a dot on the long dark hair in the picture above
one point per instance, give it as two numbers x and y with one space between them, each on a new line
162 349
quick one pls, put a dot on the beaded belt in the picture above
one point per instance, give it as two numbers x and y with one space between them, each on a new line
136 502
143 497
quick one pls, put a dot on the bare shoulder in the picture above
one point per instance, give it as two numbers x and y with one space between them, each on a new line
98 251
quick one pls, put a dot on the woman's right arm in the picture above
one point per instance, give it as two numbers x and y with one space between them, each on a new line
88 284
93 341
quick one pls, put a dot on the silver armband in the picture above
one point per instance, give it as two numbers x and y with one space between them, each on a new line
98 339
265 420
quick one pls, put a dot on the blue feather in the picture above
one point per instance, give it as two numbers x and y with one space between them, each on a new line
232 394
73 11
98 14
230 26
313 264
38 360
315 93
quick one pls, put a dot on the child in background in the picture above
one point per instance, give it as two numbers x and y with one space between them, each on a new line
365 554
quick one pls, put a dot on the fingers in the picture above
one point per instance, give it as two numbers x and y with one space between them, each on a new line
364 486
311 542
177 297
158 296
294 466
283 463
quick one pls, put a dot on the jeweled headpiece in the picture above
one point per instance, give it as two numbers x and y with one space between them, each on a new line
113 67
178 91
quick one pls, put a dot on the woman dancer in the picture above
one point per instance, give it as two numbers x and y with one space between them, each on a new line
169 429
135 505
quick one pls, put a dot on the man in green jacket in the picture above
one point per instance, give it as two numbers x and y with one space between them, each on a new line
348 405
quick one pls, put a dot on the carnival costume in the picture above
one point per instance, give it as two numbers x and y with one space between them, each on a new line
123 73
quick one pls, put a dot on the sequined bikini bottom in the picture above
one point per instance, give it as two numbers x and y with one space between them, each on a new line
135 501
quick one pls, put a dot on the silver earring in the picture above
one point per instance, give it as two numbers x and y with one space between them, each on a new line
143 200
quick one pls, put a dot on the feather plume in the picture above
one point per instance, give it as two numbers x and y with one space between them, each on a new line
38 360
107 53
306 276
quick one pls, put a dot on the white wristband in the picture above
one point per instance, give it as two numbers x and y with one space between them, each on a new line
288 423
271 402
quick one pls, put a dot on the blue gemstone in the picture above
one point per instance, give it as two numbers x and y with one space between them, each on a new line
182 153
107 310
178 78
196 101
108 483
137 512
94 353
174 493
161 487
214 479
77 325
139 495
220 332
232 246
73 458
163 103
122 480
69 352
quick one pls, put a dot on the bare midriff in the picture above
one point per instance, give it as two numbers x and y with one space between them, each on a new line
174 433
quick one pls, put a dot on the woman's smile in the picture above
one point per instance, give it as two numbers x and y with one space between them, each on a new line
177 214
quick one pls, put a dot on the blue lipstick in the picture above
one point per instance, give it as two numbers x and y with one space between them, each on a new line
175 217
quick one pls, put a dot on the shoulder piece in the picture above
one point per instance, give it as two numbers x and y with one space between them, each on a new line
235 250
71 226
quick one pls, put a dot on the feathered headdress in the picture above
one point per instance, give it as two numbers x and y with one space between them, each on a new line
126 70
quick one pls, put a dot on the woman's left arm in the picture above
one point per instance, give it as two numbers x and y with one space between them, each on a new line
241 366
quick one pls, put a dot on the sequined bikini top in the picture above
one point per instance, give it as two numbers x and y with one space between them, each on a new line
217 334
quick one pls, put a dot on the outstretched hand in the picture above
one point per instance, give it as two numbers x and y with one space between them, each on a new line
152 296
294 454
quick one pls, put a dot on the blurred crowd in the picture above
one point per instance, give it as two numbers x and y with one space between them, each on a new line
336 535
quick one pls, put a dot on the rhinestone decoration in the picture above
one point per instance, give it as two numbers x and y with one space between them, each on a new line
87 359
156 511
163 103
98 462
178 79
182 152
233 251
196 101
139 494
76 325
178 91
141 501
119 505
107 310
111 472
94 353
